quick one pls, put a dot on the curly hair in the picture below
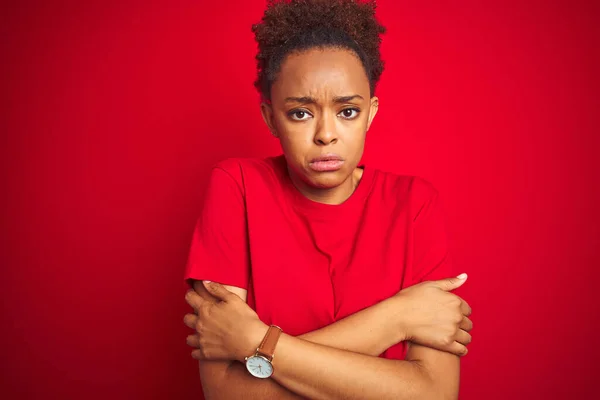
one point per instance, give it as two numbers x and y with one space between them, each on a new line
294 25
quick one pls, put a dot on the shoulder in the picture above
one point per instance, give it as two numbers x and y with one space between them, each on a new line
248 171
406 191
405 186
239 166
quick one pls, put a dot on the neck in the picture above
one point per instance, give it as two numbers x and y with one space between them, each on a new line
333 196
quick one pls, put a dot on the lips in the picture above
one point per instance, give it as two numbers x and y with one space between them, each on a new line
326 163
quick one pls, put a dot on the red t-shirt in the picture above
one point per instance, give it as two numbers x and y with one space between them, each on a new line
306 264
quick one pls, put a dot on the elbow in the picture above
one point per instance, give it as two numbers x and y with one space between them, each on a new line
216 392
214 379
430 387
443 394
430 390
433 392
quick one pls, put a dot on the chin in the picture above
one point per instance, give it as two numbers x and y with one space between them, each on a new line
327 180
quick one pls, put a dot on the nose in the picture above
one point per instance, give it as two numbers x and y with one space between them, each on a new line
326 132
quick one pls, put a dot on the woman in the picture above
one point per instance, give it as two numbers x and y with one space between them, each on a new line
314 276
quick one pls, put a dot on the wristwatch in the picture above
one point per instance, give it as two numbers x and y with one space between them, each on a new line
260 363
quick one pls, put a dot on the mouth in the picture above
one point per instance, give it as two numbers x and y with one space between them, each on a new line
327 157
326 163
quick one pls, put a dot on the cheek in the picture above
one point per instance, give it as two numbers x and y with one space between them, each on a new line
355 137
295 153
296 143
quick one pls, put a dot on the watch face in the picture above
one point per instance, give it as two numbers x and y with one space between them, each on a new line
259 367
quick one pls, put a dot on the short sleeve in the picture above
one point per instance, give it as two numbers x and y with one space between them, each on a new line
219 249
431 258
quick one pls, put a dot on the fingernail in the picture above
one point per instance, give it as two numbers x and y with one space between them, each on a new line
462 276
206 281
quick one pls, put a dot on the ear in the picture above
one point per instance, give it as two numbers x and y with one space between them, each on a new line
267 113
372 110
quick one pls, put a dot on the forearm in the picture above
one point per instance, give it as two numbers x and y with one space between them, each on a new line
223 380
320 372
308 370
340 373
370 331
305 369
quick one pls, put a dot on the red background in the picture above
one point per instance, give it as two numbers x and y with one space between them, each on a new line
116 109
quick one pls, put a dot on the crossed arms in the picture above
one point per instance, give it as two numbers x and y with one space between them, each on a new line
339 361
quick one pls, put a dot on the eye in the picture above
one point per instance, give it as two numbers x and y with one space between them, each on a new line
349 113
299 115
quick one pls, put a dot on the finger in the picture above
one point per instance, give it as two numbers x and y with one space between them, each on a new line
458 349
193 341
202 292
190 320
198 354
466 324
463 337
193 299
451 283
218 290
465 308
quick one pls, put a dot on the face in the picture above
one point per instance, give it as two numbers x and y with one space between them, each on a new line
320 111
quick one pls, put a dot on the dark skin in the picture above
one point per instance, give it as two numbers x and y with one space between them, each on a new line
320 103
314 111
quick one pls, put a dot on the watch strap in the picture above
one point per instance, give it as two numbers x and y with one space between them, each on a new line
269 342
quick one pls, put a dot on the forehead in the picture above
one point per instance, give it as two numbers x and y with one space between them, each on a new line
321 73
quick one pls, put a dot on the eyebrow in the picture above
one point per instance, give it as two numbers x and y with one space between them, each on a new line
311 100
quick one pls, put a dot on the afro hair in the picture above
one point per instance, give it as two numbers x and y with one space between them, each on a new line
295 25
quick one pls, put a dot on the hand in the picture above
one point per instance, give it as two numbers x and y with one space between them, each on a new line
226 327
436 318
